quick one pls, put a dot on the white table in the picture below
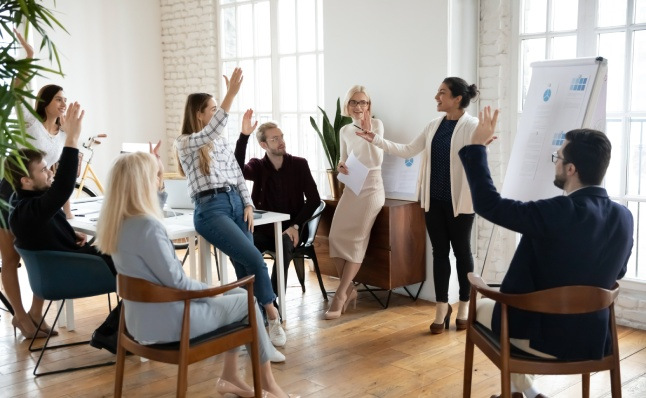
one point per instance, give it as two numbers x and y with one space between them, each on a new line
86 212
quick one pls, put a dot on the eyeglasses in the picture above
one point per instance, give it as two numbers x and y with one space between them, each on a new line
361 103
556 157
280 138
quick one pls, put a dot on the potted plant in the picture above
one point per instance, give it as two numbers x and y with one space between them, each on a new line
329 135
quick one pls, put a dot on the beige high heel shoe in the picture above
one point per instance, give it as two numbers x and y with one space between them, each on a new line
16 325
352 296
329 314
44 328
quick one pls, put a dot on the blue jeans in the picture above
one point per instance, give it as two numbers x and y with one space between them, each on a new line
219 218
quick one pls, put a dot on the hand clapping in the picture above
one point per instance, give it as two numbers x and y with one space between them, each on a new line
484 133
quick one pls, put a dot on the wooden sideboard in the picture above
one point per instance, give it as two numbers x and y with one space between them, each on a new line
396 253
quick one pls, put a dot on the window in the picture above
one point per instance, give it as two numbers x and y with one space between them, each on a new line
616 30
279 46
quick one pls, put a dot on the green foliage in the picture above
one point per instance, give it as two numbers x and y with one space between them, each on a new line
16 74
330 134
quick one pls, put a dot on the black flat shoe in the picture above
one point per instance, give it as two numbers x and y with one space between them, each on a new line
103 341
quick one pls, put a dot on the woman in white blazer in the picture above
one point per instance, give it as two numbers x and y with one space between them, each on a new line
445 193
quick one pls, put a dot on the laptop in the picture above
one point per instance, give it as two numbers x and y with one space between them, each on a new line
178 194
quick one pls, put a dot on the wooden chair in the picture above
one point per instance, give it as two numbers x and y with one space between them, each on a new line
305 250
186 351
563 300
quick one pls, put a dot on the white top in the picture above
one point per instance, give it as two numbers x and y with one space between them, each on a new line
52 145
460 192
371 156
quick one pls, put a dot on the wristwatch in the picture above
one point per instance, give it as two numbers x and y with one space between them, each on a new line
295 226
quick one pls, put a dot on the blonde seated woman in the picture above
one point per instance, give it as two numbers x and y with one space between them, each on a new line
131 231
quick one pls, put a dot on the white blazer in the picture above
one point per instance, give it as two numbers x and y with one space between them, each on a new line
460 192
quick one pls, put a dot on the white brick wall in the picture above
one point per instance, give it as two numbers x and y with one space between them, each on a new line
190 56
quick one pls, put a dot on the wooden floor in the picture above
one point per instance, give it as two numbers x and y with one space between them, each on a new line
368 352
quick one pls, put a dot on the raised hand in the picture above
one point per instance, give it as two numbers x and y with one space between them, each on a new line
484 133
233 86
366 122
29 50
247 128
160 166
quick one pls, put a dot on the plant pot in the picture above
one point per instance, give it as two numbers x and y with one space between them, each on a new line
336 187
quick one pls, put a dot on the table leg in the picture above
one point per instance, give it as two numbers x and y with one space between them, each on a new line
205 260
192 272
278 235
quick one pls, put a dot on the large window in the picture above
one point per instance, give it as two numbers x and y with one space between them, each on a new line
279 46
616 30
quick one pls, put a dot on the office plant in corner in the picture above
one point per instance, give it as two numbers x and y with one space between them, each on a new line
34 15
329 135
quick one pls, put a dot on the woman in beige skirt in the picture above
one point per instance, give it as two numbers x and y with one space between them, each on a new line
355 214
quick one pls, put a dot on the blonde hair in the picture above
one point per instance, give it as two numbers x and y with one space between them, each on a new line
196 102
260 133
131 191
352 91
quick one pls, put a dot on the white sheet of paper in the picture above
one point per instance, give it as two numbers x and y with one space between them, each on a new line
357 173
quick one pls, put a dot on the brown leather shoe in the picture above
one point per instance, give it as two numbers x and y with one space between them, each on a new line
518 395
460 324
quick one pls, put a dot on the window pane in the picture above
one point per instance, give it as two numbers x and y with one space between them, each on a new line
640 11
611 13
245 31
638 209
639 72
308 137
263 31
611 46
307 83
534 16
226 1
320 81
637 158
306 25
288 84
564 14
245 97
319 23
263 85
286 27
614 129
289 126
563 47
530 50
228 20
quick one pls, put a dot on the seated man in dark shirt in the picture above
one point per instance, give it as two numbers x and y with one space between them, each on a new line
37 219
282 182
580 238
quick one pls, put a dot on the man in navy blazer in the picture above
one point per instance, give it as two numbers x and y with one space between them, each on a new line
580 238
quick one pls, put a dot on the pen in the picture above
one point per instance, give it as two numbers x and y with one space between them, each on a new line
80 215
359 128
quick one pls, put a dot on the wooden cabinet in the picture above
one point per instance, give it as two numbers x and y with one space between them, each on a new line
396 253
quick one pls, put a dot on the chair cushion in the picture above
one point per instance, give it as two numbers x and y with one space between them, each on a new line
224 330
515 351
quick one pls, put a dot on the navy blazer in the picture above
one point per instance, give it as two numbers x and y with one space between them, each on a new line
580 239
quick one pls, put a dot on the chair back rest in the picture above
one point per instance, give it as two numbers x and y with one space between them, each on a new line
58 275
312 225
143 291
568 300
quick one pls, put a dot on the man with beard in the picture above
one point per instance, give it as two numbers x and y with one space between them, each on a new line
37 219
280 182
580 238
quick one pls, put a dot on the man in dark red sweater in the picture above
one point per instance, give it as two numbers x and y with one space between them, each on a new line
282 183
38 221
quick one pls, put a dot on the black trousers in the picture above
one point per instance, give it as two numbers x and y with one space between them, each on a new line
265 242
446 231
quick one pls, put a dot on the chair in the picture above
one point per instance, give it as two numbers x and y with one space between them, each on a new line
185 352
56 275
305 249
562 300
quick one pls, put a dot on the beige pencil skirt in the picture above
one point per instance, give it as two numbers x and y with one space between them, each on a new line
354 217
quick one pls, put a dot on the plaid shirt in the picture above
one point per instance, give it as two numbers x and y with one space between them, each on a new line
224 169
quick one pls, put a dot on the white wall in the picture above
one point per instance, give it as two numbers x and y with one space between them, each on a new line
401 51
112 64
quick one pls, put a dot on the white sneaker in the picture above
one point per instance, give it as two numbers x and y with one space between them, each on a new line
276 333
276 356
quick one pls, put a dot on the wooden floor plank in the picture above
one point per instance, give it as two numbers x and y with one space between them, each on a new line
368 352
